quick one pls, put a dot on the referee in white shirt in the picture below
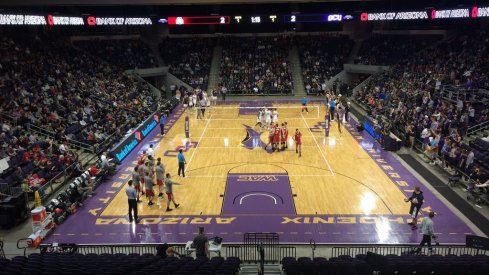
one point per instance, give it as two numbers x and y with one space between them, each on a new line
132 201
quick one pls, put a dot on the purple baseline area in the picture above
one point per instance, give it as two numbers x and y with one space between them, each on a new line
88 227
258 194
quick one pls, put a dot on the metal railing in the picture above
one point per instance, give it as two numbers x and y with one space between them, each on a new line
8 118
106 249
24 244
48 188
2 253
478 128
288 251
45 132
109 141
269 242
6 188
247 253
399 250
50 134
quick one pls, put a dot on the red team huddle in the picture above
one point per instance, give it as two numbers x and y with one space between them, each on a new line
277 135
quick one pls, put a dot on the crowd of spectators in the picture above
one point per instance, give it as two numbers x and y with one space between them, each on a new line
127 54
409 98
256 65
61 90
189 59
32 160
381 49
322 57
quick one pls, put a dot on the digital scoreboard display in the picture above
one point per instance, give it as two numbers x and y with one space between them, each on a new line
315 18
50 20
199 20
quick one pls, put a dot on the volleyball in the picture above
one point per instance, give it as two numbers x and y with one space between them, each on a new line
415 201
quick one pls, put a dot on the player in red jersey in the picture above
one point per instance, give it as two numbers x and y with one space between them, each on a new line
276 137
142 158
298 141
141 170
285 134
271 132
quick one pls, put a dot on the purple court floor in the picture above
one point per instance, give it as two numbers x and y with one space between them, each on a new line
262 208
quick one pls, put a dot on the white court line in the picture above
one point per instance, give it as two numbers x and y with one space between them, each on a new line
282 118
240 146
319 147
239 137
239 128
289 175
197 147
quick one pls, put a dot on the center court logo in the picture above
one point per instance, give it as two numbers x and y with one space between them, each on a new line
252 139
260 178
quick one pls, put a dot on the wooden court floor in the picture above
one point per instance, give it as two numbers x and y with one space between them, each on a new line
335 175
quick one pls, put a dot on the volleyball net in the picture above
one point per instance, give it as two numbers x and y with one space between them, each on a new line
237 112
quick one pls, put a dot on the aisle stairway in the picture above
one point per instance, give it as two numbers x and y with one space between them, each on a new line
215 68
295 67
354 51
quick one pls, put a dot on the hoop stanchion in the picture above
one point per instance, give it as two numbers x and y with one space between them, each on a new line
326 125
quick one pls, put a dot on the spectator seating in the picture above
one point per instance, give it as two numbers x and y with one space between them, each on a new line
256 65
189 59
136 264
392 264
68 93
322 57
32 161
84 183
126 54
381 49
411 94
481 152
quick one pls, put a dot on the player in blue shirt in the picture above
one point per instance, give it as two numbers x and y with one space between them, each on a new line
181 163
162 124
304 105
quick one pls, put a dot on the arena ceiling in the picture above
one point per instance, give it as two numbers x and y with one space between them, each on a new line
199 2
152 2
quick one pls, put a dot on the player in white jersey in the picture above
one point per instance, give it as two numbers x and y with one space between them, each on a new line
263 119
268 118
274 116
259 118
194 99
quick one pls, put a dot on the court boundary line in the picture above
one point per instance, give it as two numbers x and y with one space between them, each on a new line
236 146
290 175
217 119
317 144
197 147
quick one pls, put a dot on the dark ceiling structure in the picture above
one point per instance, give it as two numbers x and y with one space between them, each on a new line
153 2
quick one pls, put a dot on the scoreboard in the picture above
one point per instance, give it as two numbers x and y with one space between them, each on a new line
254 19
199 20
50 20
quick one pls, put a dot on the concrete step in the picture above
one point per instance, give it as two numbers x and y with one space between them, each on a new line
268 268
215 68
296 71
84 156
